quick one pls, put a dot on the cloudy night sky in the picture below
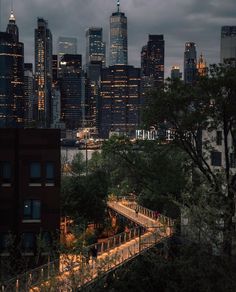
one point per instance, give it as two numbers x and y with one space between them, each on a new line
199 21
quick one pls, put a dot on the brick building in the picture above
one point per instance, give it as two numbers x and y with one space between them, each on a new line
29 189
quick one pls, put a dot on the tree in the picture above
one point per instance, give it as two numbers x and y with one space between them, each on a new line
148 169
78 165
193 269
84 197
191 112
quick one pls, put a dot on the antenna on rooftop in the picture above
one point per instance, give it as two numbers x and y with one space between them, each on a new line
118 5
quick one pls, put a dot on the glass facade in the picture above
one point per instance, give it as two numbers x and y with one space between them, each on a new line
66 45
43 72
228 44
120 100
118 39
152 60
72 90
29 96
95 47
190 63
11 77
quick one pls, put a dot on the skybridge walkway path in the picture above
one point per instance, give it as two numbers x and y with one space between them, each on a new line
74 272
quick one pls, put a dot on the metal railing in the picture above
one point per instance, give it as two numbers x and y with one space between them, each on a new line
112 252
43 273
154 215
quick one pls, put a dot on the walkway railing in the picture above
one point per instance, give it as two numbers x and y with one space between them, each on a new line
156 219
73 271
149 213
43 273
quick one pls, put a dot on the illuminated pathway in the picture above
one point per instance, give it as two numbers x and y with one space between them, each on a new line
112 253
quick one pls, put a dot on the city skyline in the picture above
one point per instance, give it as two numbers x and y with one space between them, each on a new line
178 21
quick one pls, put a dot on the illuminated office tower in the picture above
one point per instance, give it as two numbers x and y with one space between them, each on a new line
11 77
228 45
72 91
95 47
43 71
54 70
152 61
29 96
120 100
190 63
118 38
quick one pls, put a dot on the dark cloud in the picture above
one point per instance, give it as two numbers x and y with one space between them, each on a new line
179 20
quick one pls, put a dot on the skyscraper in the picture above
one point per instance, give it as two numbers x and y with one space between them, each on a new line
11 77
43 71
29 95
95 47
120 100
66 45
152 60
228 44
72 90
190 63
54 69
175 73
118 38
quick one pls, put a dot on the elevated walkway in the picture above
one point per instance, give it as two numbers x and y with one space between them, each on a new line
75 271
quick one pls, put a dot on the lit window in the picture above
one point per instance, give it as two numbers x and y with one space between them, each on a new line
32 210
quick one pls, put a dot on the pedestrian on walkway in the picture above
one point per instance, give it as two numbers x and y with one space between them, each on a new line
136 211
87 256
94 252
157 214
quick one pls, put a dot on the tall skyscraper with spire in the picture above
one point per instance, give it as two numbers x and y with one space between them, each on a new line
201 66
11 76
43 71
118 38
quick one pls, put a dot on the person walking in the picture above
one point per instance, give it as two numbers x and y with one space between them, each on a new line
157 214
136 211
94 252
